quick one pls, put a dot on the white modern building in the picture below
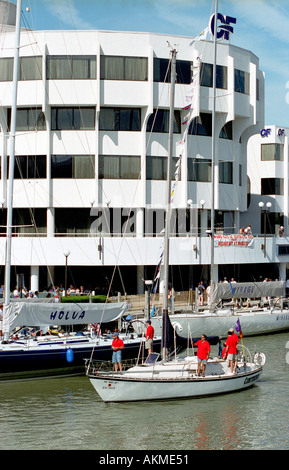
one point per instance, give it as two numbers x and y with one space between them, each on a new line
91 155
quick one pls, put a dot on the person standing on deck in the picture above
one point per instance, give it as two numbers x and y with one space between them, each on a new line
203 353
117 346
232 349
149 337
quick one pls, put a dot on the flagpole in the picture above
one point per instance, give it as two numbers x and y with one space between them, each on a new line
7 279
241 334
168 208
213 153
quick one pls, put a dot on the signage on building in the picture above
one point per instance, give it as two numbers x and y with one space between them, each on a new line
233 240
265 132
224 29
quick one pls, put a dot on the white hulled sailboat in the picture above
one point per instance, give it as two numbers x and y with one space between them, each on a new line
176 377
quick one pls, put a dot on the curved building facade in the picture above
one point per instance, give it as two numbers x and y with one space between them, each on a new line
91 154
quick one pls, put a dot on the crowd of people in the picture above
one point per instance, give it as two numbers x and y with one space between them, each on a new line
52 291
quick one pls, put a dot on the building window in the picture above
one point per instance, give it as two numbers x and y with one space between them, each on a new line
123 68
29 167
159 121
201 125
156 168
6 69
30 221
242 82
73 166
120 119
30 68
227 131
273 222
272 186
72 119
240 175
71 67
119 167
199 169
271 152
226 172
73 221
162 71
28 119
207 76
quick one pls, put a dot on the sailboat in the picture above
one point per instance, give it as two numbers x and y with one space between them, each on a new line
173 377
256 318
23 355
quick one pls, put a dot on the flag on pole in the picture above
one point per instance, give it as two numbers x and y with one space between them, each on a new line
202 36
238 328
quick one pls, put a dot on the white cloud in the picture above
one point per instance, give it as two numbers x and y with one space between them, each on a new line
268 16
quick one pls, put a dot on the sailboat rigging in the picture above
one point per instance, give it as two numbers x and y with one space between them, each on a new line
168 211
30 356
256 320
175 378
11 169
213 151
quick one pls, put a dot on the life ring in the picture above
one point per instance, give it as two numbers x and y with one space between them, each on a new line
260 359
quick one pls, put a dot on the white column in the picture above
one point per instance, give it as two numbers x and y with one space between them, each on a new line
34 278
140 222
50 222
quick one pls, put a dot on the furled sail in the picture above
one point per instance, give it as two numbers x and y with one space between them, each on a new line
36 313
246 290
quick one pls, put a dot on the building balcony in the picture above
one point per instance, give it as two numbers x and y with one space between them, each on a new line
88 250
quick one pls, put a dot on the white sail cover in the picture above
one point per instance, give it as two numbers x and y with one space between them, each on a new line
246 290
35 313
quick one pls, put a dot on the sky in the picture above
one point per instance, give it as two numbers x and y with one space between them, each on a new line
262 27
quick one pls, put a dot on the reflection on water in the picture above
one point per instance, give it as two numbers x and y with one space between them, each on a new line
66 413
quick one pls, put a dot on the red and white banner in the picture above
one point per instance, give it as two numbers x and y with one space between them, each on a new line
233 240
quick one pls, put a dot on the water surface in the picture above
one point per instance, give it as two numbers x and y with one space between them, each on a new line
66 413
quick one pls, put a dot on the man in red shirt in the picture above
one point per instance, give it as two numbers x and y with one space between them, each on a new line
117 346
232 349
149 337
203 353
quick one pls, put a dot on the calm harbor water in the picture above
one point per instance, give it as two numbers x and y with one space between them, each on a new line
66 413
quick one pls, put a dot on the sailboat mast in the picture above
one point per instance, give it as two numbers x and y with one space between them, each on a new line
213 149
12 156
168 208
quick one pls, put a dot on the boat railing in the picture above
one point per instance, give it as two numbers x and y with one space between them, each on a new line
183 368
244 354
93 367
